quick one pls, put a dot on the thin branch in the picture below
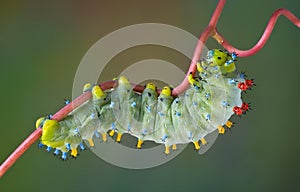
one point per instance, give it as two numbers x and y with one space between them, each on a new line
199 47
264 38
210 30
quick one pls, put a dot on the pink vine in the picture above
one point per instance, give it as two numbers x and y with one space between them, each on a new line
210 31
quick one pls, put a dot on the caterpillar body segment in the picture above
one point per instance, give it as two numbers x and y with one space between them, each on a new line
206 106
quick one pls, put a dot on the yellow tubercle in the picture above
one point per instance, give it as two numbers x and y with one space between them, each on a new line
229 124
111 133
199 67
196 144
167 150
97 92
203 141
221 129
74 152
86 87
119 137
193 81
139 144
104 138
123 80
91 142
166 91
151 86
174 147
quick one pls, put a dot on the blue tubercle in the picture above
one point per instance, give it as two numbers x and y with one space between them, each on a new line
112 104
233 55
68 146
67 101
81 146
113 126
56 152
164 138
64 155
40 145
133 104
148 108
96 134
177 114
49 148
207 95
207 117
225 104
232 81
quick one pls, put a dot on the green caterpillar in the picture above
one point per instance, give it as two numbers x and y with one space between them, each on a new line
213 97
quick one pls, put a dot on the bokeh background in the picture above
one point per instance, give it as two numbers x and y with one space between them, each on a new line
42 43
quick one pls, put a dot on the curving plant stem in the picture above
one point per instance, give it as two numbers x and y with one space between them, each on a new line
210 31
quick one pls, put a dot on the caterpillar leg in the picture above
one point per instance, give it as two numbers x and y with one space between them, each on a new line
229 124
104 138
196 144
74 152
221 129
111 133
119 137
174 147
91 142
203 141
139 144
167 150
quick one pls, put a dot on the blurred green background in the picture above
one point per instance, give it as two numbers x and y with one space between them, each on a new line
42 43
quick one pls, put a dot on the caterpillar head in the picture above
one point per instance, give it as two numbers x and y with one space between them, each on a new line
166 90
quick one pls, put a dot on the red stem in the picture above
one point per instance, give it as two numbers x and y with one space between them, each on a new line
210 30
264 38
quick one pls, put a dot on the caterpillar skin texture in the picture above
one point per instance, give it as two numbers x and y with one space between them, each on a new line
213 97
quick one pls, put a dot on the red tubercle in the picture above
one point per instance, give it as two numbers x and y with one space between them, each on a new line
245 107
246 85
243 86
237 110
250 82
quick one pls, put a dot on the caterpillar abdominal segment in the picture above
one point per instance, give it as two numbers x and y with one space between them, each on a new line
213 97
